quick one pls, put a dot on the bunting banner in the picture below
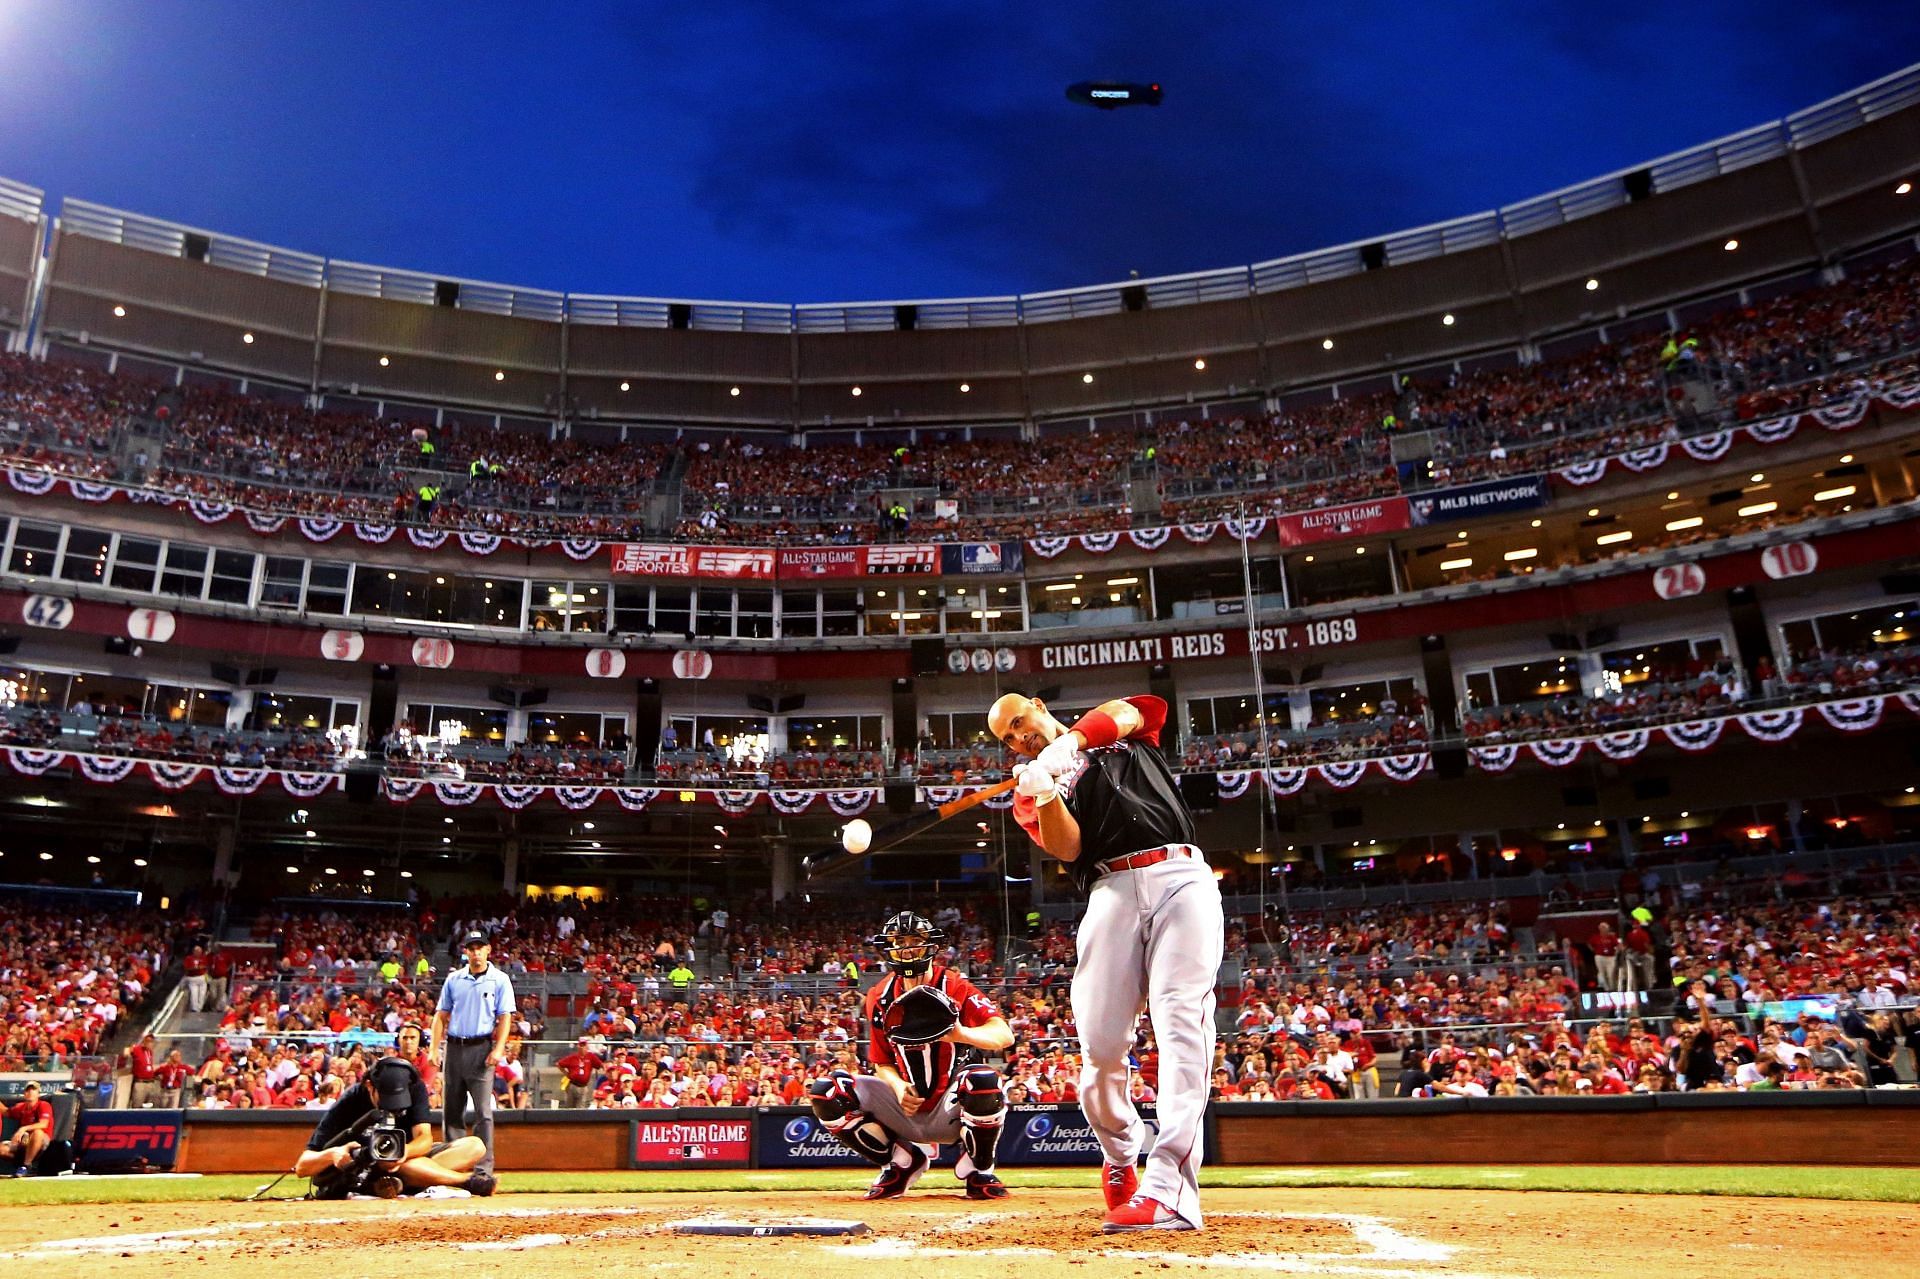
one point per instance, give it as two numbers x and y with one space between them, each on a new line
790 803
1048 547
1557 753
1494 759
265 525
515 795
479 543
576 548
1838 417
1581 474
374 534
457 794
1234 784
401 790
1772 726
634 798
1855 715
1708 448
168 775
1286 781
32 483
307 785
107 768
1647 459
319 529
735 802
1695 734
239 781
1624 745
32 762
1341 773
208 512
1404 768
1774 430
1198 534
851 803
90 492
1099 543
1149 539
427 539
578 798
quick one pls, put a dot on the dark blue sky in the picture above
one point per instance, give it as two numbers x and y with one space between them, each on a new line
877 148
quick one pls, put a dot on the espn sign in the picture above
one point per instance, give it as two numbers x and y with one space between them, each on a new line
704 1142
111 1139
653 559
857 561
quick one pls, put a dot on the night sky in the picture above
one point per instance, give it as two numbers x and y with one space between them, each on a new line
877 150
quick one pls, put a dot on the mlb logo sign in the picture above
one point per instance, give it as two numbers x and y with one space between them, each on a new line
983 557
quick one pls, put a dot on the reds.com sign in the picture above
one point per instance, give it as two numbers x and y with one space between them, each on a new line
651 559
706 1143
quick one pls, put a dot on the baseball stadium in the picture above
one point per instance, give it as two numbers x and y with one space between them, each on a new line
1393 760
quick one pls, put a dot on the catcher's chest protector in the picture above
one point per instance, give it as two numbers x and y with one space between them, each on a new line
928 1068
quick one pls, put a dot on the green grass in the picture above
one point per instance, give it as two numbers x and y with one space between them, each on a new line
1886 1185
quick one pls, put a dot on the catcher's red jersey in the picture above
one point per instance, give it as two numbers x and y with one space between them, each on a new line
928 1067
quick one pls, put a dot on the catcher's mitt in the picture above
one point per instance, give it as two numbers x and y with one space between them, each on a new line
921 1016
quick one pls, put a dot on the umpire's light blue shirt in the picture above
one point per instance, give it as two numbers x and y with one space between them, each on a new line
473 1003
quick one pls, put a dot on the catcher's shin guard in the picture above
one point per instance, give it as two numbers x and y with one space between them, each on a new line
837 1106
983 1111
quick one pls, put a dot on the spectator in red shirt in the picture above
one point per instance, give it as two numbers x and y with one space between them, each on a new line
139 1059
172 1075
579 1066
33 1119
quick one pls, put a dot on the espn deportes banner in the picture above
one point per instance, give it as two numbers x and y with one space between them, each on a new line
111 1140
659 559
856 561
1495 497
712 1141
1362 519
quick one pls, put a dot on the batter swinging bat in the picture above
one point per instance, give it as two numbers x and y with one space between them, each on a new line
907 827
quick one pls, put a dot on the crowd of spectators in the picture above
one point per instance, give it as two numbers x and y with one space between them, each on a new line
1741 364
68 978
109 731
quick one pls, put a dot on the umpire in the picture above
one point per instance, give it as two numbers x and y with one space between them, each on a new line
469 1040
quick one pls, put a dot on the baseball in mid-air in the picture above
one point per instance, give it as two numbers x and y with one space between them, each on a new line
856 835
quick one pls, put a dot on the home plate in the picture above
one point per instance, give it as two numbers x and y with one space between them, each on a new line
769 1229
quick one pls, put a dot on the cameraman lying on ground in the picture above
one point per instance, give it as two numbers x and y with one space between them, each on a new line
391 1106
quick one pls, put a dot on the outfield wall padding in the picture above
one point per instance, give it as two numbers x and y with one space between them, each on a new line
1832 1128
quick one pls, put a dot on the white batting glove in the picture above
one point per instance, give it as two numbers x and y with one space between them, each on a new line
1036 783
1060 756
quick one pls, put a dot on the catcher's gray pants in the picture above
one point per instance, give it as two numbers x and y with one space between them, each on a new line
937 1122
468 1076
1151 937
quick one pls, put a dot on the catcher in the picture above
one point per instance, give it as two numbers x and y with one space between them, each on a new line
926 1025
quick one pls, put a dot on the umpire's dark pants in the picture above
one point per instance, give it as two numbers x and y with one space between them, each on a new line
468 1080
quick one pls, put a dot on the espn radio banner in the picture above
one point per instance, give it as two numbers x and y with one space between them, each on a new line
707 1142
1362 519
653 559
802 562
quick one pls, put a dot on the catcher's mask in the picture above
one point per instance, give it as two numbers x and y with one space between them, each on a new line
906 939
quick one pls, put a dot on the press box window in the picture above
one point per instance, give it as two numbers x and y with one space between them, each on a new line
35 547
135 563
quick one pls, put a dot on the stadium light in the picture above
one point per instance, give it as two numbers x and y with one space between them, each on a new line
1592 284
1326 344
1447 566
1758 508
1692 521
1731 245
1903 189
734 390
965 387
384 361
626 386
1199 364
1447 319
856 390
1087 378
1524 553
120 312
247 338
1609 539
499 375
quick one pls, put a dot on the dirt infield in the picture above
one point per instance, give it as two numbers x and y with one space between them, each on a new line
1040 1234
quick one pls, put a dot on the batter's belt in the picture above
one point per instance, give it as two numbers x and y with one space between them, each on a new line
1147 857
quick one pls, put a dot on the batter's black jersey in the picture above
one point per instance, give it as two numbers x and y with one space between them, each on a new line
1124 796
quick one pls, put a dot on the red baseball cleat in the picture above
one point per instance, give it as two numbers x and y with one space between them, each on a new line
984 1185
896 1179
1118 1182
1142 1213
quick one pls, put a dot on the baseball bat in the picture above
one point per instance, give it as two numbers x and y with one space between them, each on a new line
895 833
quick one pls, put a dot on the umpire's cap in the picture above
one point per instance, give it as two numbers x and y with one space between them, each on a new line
475 938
